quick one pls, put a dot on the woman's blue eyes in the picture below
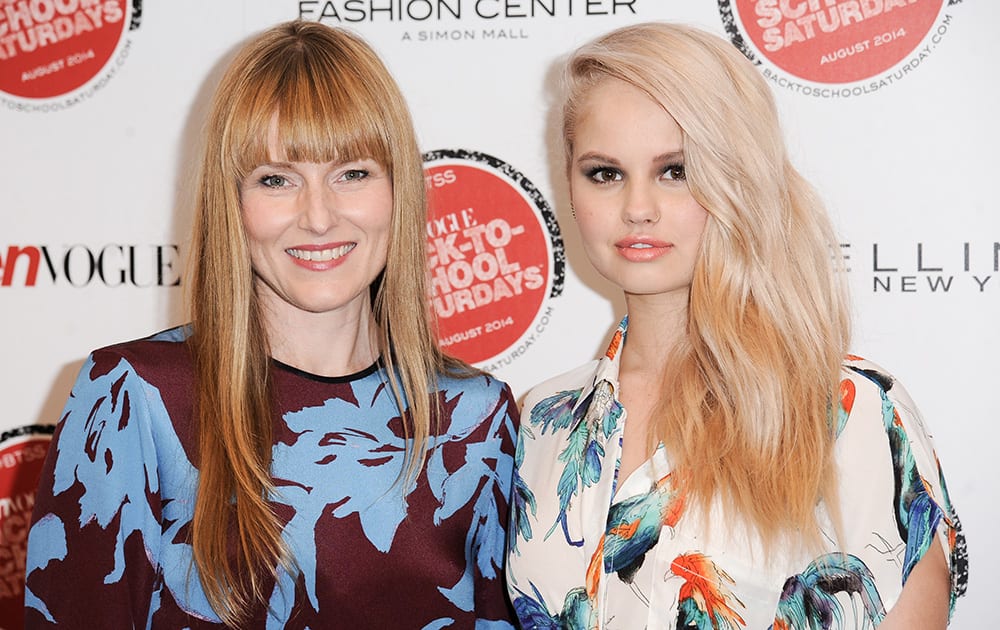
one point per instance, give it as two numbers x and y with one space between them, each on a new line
272 181
279 181
355 174
607 174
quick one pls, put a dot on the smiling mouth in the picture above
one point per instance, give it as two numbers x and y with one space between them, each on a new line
321 255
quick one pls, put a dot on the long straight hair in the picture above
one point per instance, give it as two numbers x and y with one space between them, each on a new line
746 408
334 100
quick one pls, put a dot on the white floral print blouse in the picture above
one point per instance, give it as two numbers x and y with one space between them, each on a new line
589 550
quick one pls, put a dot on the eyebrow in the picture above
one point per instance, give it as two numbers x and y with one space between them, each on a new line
670 156
597 156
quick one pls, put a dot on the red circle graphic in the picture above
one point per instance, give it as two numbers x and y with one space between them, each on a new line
831 41
21 461
489 260
49 48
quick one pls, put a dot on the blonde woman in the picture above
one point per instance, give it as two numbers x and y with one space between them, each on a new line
727 464
301 455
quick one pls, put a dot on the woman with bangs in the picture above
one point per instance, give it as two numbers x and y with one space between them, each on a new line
301 455
727 464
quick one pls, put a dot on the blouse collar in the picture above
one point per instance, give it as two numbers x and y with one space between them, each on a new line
607 367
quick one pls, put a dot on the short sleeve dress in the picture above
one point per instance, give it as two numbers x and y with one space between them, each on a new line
109 546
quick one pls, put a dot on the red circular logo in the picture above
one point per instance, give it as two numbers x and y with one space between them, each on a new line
829 41
494 249
49 48
21 459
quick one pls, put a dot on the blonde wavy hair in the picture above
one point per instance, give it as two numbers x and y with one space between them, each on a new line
746 412
334 100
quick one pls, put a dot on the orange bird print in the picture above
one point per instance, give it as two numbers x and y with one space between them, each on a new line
705 601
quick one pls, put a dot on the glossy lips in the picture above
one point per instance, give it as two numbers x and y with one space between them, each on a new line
642 249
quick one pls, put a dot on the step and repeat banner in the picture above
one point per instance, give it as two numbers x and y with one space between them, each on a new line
889 106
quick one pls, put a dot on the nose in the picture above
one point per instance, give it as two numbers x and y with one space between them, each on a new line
318 212
640 204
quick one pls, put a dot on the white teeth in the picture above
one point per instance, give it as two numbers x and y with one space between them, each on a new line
322 255
640 246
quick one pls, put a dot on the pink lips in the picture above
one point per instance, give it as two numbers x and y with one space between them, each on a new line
320 257
642 248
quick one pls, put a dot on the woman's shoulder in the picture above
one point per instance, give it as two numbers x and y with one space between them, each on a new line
857 366
127 393
576 379
874 405
472 383
479 391
163 353
167 340
477 402
862 376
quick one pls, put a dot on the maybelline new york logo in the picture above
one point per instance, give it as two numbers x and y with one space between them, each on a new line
836 48
57 53
112 265
495 254
925 266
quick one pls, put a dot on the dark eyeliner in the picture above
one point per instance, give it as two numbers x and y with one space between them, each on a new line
677 170
264 180
592 172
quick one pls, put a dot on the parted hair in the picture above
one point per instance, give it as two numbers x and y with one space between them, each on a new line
333 100
748 403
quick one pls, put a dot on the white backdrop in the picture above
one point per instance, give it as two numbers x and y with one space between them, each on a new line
903 158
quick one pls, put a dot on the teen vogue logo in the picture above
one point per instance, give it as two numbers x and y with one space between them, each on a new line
836 48
496 256
57 53
112 265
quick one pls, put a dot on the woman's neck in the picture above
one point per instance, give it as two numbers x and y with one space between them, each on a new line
656 325
325 344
